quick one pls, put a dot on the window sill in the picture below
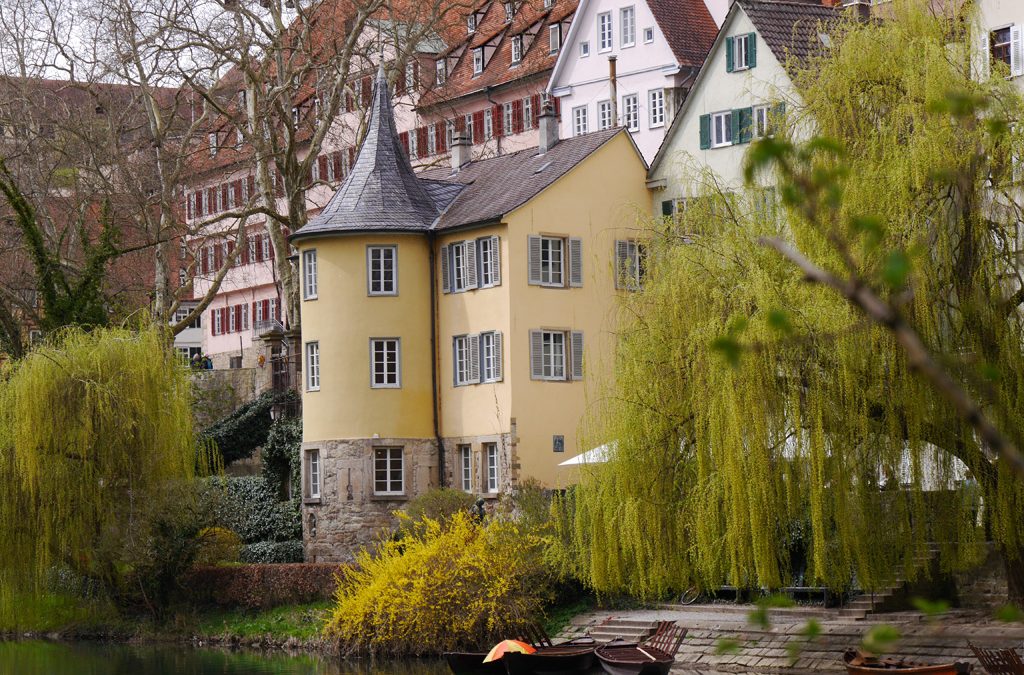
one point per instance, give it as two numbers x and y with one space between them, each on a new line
657 126
389 497
312 297
721 145
382 295
604 51
384 386
627 46
310 390
490 495
311 501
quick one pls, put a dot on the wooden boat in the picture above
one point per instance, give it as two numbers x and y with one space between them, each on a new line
566 654
654 656
858 663
551 660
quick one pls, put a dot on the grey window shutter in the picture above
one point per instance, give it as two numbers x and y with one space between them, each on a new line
983 62
705 134
472 273
621 262
498 358
1016 50
752 50
455 361
534 259
496 261
729 51
575 262
536 353
577 355
474 358
446 283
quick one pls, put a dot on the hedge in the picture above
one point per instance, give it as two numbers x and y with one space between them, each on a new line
260 586
272 552
249 507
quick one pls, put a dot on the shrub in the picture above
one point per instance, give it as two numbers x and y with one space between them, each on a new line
269 552
439 504
246 428
217 545
447 587
248 507
260 586
281 455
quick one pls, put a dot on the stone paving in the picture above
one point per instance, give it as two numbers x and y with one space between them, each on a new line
766 650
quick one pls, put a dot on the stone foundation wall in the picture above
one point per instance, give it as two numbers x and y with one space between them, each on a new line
984 587
478 478
219 392
348 515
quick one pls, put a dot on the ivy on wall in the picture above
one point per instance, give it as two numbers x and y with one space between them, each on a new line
239 434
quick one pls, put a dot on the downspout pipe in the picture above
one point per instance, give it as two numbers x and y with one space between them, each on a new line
613 85
434 388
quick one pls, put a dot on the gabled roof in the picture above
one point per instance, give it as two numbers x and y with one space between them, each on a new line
790 28
381 192
497 186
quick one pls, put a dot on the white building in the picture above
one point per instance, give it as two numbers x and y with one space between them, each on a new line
189 342
1000 34
654 47
741 88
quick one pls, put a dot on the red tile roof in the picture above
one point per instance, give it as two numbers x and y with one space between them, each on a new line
688 28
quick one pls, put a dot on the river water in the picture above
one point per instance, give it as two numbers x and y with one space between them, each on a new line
83 658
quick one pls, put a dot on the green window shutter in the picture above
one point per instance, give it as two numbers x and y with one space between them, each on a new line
779 109
705 132
734 122
729 65
746 117
752 50
666 209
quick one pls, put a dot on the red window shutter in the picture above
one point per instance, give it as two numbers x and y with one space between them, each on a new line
421 142
218 256
252 186
400 82
440 133
224 195
280 184
266 310
367 90
270 249
351 157
259 247
211 201
460 124
237 185
534 110
336 160
478 126
323 160
238 317
558 107
403 138
517 115
252 313
244 254
204 267
277 309
415 76
499 125
231 249
188 206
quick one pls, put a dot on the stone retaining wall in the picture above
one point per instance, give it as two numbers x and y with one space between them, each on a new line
985 587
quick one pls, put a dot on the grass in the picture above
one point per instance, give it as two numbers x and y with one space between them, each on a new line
56 613
559 616
303 622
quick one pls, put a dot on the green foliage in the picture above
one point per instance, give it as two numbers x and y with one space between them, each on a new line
932 609
1009 614
880 639
731 423
303 622
96 456
448 587
217 545
248 507
272 552
239 434
281 462
438 504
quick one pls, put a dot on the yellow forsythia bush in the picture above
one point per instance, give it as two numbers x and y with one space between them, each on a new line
449 586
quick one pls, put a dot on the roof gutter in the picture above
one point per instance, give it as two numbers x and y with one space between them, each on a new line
434 384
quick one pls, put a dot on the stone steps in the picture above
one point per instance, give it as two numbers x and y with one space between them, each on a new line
631 630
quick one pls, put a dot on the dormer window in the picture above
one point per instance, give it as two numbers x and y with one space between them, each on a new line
510 11
478 60
648 35
241 99
517 49
584 49
471 23
740 52
548 4
554 38
442 71
212 140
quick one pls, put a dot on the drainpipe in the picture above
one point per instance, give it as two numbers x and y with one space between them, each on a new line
614 86
433 361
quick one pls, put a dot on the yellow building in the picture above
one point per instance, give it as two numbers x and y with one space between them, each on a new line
465 308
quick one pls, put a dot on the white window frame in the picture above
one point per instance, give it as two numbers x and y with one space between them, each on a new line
218 322
490 356
488 124
656 108
460 266
489 259
478 60
471 22
631 112
313 366
309 275
554 38
467 123
385 342
314 473
627 26
182 277
759 121
232 321
441 71
466 467
629 270
741 52
449 133
507 118
721 122
265 246
604 115
584 49
552 276
648 35
554 365
527 113
462 363
490 453
211 138
548 4
377 282
392 455
605 32
580 123
517 49
510 11
431 139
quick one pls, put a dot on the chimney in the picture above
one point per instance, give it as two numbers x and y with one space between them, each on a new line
548 127
858 9
462 152
613 85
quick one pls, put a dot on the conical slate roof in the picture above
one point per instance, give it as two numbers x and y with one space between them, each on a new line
381 192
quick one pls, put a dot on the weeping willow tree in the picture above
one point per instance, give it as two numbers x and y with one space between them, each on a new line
96 450
766 429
